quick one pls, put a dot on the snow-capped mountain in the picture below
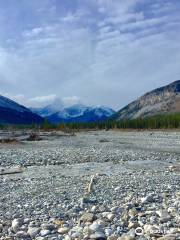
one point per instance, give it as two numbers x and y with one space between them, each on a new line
78 113
14 113
72 111
55 106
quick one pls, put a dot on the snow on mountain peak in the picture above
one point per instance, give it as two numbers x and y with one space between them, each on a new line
77 112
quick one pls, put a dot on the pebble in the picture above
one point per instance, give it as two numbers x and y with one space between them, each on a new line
98 236
110 216
16 224
63 230
87 217
169 237
45 232
95 227
164 216
56 206
22 235
33 231
148 199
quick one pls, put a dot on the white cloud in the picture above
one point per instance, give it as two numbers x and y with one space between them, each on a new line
69 101
33 33
93 49
42 101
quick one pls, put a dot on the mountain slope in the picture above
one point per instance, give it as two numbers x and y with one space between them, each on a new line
14 113
79 113
52 108
159 101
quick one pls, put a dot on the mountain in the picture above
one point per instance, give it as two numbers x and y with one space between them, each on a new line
55 106
79 113
13 113
162 100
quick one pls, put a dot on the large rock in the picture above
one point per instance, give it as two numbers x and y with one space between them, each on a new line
16 224
87 217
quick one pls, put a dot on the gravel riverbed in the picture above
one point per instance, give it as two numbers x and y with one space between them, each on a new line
96 185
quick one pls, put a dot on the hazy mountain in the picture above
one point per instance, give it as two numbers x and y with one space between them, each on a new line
52 108
159 101
14 113
78 113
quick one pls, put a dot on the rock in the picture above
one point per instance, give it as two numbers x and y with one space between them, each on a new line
148 199
98 236
63 230
95 227
133 225
87 217
26 221
67 237
56 181
1 227
48 226
110 216
133 212
115 209
22 235
171 210
112 238
164 216
117 189
168 237
86 231
128 236
108 231
58 222
76 232
75 235
45 232
33 231
94 209
152 230
153 220
103 140
16 224
84 200
174 168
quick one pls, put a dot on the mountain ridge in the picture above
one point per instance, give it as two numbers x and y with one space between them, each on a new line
78 113
161 100
14 113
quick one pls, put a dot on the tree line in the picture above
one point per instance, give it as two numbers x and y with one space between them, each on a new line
168 121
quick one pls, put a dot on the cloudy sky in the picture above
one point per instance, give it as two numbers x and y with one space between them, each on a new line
104 52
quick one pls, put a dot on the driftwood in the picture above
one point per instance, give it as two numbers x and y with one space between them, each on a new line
8 140
90 186
9 171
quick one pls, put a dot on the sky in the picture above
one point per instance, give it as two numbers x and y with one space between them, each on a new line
97 52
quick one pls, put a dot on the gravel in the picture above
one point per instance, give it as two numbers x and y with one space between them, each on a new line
83 187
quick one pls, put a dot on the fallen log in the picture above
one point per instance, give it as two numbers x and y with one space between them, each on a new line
9 171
